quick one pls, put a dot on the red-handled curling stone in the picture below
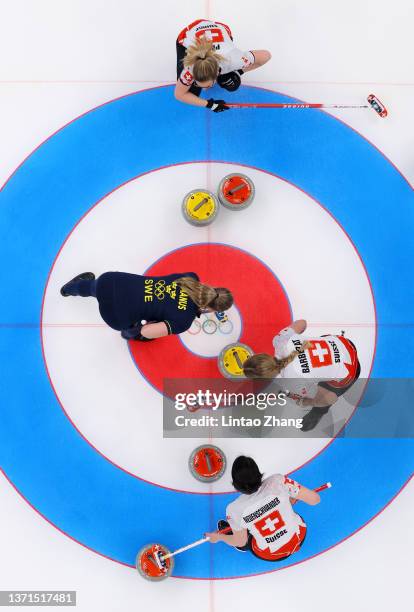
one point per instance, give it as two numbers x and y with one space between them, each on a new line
236 191
207 463
151 564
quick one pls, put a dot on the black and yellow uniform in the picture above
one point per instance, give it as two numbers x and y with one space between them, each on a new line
127 299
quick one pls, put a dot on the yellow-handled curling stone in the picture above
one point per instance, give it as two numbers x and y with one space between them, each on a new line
200 207
231 359
236 191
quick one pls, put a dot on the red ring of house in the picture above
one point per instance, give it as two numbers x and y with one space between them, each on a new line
260 298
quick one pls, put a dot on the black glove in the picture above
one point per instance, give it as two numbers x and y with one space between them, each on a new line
217 106
230 81
134 333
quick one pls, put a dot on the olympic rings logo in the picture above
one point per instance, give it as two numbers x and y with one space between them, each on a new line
159 289
209 326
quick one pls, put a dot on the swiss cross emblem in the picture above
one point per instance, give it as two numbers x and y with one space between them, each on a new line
319 353
188 77
270 523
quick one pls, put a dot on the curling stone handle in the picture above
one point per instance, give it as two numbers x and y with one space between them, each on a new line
236 189
208 461
200 204
237 358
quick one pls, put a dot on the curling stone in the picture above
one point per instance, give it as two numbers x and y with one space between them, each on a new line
231 359
150 562
236 191
200 207
207 463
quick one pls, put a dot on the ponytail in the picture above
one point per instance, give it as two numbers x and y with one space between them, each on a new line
204 296
266 366
203 59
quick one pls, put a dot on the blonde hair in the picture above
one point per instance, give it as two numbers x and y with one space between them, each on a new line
266 366
204 296
203 59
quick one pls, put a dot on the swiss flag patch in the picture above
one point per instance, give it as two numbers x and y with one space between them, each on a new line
187 77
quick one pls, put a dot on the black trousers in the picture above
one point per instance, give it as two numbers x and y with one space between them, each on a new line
87 288
341 390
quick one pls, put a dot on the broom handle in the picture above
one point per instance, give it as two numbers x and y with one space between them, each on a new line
327 485
294 105
193 545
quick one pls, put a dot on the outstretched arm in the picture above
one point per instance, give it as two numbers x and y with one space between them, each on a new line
308 496
261 57
322 399
183 94
154 330
238 538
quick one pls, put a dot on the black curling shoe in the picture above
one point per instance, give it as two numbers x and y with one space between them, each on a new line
313 417
221 524
83 276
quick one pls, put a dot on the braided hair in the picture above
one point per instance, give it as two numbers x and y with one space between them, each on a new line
204 296
263 365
